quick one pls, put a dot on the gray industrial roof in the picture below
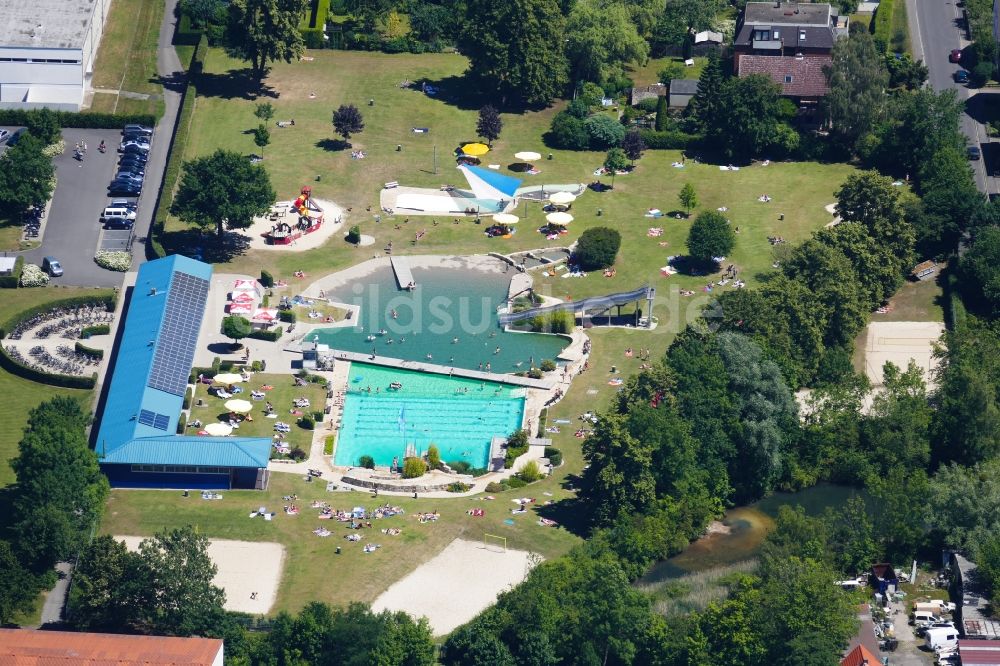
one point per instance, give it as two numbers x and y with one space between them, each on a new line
62 24
787 13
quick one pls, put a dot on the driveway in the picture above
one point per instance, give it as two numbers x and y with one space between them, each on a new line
935 29
72 229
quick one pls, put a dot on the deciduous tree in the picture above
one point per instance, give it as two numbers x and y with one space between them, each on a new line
489 125
688 198
858 82
26 177
265 31
600 39
633 145
710 236
18 586
261 138
236 328
616 160
527 65
222 190
347 120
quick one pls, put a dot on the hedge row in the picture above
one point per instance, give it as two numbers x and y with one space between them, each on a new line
89 351
178 143
97 329
311 28
81 119
882 26
272 335
668 140
11 281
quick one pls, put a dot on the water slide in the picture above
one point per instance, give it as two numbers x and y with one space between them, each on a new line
592 304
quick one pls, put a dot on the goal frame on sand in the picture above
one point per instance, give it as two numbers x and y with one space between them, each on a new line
496 538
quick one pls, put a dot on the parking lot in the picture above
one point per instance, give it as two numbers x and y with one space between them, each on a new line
72 229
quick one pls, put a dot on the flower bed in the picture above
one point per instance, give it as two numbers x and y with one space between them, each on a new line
33 276
116 260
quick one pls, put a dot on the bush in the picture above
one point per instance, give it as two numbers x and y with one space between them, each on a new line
367 462
271 335
554 455
981 73
648 105
96 329
548 365
11 281
187 398
298 454
354 235
460 466
114 260
517 445
603 131
459 487
530 472
287 316
597 248
535 373
266 279
307 423
556 322
414 468
567 132
258 366
494 487
667 140
317 417
514 483
33 276
433 457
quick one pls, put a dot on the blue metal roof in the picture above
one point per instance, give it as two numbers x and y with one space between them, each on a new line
134 408
198 451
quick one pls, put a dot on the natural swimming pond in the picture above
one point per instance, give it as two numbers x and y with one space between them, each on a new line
449 319
387 410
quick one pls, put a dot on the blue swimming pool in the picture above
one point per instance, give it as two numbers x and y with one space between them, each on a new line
459 416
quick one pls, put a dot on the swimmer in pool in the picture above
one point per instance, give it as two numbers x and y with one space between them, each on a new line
497 351
454 341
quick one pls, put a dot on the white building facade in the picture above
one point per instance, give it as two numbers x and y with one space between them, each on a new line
47 51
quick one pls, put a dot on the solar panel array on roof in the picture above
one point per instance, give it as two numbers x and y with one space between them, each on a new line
146 417
179 334
161 422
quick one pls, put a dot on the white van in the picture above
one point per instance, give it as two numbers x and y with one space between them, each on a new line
923 617
941 638
935 606
114 213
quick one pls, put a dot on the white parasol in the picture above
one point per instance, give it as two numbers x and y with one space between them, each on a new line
218 429
238 406
505 218
560 219
562 197
228 378
527 156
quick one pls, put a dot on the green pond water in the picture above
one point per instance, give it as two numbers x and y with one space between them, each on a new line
747 527
449 319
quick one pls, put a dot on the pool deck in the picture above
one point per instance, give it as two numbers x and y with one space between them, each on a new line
390 362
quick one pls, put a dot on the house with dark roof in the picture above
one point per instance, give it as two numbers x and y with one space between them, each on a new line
681 91
136 440
26 647
790 43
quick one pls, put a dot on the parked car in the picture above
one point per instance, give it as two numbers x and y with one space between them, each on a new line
122 189
133 147
974 153
961 76
124 203
3 135
133 172
136 138
16 136
137 129
52 266
119 223
133 159
955 55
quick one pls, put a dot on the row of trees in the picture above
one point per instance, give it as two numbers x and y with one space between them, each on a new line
58 498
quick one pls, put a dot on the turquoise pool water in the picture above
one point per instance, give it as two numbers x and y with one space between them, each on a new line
459 416
450 317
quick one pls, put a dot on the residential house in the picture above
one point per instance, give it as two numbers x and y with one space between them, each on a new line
790 43
860 656
24 647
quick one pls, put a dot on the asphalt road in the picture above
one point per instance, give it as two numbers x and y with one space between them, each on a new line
936 29
72 229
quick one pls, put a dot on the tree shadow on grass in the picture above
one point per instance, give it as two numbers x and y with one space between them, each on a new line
333 145
205 247
234 84
465 92
571 513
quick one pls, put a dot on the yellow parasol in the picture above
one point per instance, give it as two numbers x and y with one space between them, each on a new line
475 149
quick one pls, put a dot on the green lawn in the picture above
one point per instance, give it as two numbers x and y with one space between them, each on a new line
280 396
312 571
126 59
21 395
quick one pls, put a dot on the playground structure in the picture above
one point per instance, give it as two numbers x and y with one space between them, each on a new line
310 218
595 305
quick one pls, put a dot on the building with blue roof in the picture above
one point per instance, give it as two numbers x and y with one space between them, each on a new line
136 439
